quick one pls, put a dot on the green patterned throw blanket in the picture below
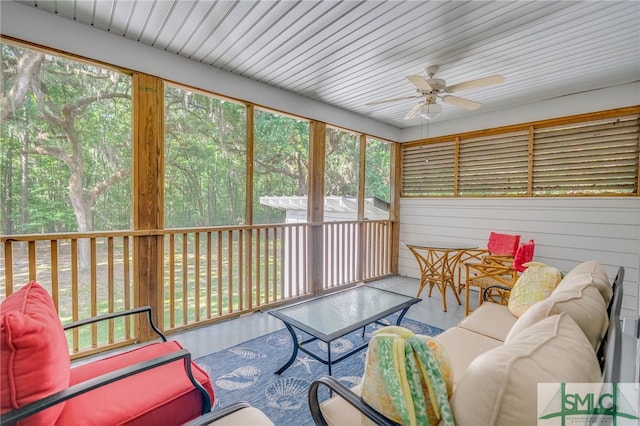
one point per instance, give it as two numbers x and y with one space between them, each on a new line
408 378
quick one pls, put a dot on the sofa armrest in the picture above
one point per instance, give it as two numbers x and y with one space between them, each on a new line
27 410
254 417
113 315
344 392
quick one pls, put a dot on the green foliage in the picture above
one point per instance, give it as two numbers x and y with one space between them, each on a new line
378 170
66 152
281 162
65 139
342 163
205 148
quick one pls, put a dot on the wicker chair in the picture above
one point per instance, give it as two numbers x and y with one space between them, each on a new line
500 248
497 271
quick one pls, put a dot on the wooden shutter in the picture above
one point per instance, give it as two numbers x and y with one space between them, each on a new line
428 170
494 165
594 157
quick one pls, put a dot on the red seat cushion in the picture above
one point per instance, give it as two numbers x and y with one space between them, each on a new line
162 395
503 244
34 354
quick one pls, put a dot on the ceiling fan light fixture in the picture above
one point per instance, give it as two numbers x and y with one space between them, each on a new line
430 110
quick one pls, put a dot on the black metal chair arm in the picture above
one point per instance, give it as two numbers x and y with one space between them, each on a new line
347 395
27 410
485 292
113 315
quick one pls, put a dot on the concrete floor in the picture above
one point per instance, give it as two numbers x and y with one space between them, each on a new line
207 339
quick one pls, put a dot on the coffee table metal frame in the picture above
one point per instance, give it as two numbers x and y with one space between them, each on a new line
404 302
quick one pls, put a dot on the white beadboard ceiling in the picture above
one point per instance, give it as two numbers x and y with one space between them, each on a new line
350 53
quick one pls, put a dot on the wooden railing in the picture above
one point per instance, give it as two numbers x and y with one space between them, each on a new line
209 273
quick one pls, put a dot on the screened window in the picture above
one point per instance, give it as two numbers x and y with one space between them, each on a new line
281 167
377 183
342 165
65 144
205 149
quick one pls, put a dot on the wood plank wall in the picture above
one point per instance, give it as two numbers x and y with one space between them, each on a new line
566 231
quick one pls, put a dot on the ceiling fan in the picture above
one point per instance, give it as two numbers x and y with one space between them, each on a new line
433 88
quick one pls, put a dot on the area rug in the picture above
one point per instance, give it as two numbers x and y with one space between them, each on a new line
245 372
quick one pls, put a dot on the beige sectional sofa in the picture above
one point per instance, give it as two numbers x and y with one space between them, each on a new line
498 359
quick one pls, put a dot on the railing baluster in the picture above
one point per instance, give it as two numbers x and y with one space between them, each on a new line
185 270
209 268
249 268
196 275
220 293
305 259
74 293
278 289
127 283
287 275
8 268
172 280
53 256
258 254
240 275
110 287
32 261
230 269
266 266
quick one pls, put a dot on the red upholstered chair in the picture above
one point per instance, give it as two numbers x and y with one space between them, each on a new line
497 270
150 385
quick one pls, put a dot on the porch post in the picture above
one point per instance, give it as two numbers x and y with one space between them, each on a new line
315 204
148 197
362 228
394 208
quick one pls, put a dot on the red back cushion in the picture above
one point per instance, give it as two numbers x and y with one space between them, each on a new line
34 354
503 244
523 255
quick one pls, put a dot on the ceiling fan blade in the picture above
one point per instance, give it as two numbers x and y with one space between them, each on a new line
461 102
415 110
393 100
419 82
474 84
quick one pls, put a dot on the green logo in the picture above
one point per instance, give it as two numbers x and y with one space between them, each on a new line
588 404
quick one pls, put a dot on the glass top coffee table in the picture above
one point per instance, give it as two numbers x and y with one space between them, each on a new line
327 318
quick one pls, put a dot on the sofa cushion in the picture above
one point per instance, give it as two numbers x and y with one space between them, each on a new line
34 352
535 284
463 346
162 395
599 278
490 319
581 301
500 386
246 416
337 411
